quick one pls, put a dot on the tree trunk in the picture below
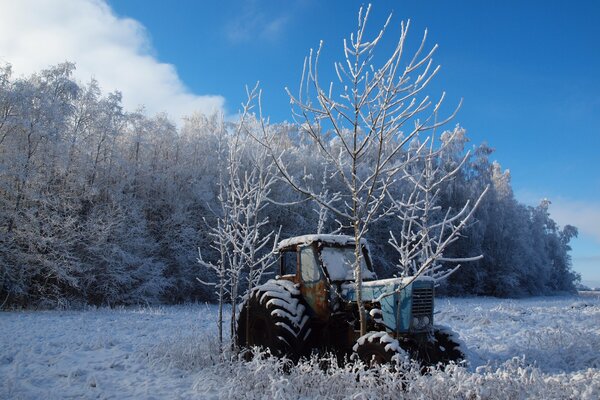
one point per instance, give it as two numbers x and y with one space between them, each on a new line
358 278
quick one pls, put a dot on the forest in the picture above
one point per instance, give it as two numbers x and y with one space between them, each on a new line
106 206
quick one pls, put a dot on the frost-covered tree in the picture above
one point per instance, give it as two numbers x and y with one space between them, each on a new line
245 247
362 125
106 206
426 229
59 147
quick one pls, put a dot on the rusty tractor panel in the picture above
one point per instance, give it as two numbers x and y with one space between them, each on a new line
313 283
316 295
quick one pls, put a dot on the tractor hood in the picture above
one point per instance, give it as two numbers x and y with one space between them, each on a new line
406 303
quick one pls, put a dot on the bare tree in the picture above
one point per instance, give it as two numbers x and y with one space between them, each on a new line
321 210
238 235
362 132
426 230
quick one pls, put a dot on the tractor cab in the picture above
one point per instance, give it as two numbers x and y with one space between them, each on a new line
320 265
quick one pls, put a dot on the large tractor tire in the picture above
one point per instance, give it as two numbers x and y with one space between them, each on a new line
442 347
376 348
446 346
274 318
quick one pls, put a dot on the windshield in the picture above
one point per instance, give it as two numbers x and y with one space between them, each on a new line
339 262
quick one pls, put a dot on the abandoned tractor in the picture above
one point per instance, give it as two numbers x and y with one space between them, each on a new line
311 306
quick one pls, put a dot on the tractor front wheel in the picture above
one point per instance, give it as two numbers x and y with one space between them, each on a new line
377 348
440 346
446 347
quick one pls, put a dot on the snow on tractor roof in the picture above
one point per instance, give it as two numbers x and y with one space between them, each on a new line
340 240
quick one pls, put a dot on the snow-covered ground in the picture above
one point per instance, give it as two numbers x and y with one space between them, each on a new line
532 348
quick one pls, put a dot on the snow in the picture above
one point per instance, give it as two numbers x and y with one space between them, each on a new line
546 347
556 334
341 240
393 281
123 353
277 293
278 285
292 309
383 337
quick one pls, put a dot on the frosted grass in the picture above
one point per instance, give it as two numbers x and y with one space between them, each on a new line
540 348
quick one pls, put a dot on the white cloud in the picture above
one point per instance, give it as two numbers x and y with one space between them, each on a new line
35 34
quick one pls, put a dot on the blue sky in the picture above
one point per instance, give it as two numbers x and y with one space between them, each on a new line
527 71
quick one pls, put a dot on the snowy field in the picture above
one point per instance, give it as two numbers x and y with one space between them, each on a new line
519 349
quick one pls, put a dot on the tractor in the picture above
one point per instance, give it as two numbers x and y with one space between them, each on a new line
311 307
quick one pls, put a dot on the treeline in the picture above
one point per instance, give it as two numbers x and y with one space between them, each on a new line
104 206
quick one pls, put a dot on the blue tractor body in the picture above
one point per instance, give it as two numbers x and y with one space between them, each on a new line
406 304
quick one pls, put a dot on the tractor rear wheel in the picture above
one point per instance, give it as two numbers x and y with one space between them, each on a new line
273 318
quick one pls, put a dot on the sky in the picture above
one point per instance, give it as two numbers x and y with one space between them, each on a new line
527 72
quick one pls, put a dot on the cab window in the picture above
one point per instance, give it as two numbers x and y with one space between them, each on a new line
310 270
289 263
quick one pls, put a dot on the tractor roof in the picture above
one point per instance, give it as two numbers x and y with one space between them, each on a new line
340 240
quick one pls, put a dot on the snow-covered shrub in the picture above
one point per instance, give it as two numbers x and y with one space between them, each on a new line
275 378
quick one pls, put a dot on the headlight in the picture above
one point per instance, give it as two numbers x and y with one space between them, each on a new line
420 322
